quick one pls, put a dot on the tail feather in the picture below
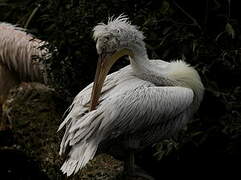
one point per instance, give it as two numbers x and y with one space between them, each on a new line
79 156
83 136
64 141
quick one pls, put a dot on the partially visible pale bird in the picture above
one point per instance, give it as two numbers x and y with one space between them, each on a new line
139 105
19 58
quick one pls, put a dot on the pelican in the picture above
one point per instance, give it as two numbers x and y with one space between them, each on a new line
139 105
17 62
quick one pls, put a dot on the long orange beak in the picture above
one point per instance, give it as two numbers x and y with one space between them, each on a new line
105 62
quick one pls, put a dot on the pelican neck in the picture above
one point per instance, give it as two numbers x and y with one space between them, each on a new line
141 65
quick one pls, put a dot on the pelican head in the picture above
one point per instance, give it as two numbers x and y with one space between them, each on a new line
115 39
117 34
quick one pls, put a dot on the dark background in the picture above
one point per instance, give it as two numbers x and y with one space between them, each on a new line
205 33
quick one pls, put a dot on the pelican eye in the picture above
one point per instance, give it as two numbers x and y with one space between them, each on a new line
106 39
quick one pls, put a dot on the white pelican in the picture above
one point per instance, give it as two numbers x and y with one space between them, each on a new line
140 104
17 61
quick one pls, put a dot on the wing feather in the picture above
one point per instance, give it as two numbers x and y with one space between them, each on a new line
81 102
146 106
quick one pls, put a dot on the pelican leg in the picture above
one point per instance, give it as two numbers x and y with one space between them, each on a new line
132 170
129 165
1 123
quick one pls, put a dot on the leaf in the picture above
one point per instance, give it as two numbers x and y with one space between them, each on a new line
229 29
194 45
165 7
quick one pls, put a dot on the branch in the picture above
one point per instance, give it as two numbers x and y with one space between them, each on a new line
31 16
188 15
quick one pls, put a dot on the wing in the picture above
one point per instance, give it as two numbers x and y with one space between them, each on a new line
146 106
130 112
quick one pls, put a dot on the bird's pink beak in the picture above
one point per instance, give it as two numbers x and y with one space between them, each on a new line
105 62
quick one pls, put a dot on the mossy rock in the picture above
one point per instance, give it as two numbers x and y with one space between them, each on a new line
34 112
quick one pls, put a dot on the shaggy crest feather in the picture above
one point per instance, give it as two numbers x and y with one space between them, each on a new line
119 27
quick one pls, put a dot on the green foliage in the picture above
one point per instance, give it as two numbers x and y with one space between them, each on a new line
214 48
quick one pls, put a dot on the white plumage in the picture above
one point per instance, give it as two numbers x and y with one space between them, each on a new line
140 104
19 58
